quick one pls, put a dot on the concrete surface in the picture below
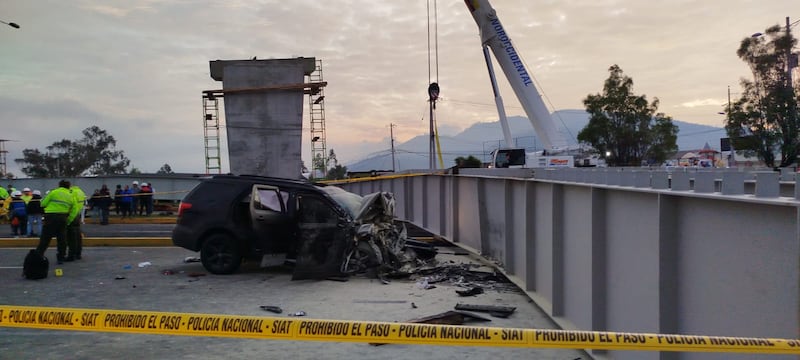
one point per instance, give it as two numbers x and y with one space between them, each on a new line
90 283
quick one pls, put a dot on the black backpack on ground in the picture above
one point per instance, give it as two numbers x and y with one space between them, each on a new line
36 266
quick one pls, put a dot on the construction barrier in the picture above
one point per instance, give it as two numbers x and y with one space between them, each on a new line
294 328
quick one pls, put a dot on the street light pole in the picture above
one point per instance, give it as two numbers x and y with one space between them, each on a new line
14 25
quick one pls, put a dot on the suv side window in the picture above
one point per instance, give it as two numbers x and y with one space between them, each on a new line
271 199
313 210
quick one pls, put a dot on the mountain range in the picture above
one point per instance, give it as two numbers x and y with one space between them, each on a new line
481 138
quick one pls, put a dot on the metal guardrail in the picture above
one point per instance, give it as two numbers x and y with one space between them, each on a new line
688 252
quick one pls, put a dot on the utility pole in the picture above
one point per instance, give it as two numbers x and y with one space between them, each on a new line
391 134
791 62
731 153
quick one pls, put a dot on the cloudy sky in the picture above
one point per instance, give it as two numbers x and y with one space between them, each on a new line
137 68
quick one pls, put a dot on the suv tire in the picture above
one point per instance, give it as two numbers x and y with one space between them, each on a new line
220 254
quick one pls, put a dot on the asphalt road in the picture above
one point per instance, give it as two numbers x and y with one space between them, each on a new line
127 230
91 283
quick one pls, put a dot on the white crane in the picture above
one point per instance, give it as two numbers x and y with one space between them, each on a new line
494 37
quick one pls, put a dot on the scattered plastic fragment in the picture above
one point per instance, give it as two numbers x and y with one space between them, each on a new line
167 272
424 284
413 306
191 259
298 313
119 277
127 267
271 308
145 264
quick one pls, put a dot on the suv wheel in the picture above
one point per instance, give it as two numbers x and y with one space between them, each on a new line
220 254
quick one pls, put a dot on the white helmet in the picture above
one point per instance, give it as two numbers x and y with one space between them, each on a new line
135 182
144 184
16 193
37 192
26 190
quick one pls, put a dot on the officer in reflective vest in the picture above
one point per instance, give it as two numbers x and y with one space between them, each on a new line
57 206
74 238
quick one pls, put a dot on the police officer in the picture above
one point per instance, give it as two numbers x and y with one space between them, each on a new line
57 205
74 238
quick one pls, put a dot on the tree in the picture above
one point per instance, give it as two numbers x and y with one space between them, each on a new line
337 172
625 126
332 158
468 162
764 119
94 154
318 166
165 169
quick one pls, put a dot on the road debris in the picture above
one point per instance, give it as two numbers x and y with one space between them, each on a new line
298 313
451 317
191 259
145 264
475 290
271 308
464 275
380 301
493 310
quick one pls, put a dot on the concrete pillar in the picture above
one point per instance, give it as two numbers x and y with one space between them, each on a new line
264 127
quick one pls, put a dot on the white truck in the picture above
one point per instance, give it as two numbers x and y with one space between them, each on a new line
556 152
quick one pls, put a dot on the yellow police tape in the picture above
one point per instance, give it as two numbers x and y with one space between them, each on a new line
274 328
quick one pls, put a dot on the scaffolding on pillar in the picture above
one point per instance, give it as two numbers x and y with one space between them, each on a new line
211 132
3 153
316 106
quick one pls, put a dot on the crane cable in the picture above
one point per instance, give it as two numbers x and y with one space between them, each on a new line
436 62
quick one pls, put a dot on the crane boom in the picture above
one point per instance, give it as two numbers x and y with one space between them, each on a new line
494 36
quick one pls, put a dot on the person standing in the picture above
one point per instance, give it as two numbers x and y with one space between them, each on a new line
146 199
34 209
118 200
103 202
57 204
74 237
17 214
127 201
27 195
135 190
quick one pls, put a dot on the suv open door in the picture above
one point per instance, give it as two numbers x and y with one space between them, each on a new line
271 219
323 234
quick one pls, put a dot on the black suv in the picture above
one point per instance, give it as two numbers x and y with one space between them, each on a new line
230 217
